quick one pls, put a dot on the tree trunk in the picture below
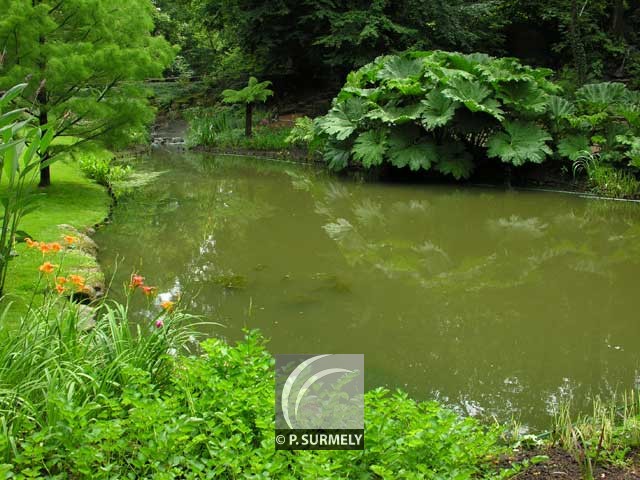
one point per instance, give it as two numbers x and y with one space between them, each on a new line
43 119
577 47
43 115
617 20
248 127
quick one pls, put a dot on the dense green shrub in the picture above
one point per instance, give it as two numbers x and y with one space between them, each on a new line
439 110
109 404
598 129
603 115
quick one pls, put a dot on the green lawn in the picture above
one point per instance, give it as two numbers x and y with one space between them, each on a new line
72 199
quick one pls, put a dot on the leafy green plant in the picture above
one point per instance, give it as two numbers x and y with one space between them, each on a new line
607 435
303 134
115 404
103 169
603 115
254 92
439 110
22 146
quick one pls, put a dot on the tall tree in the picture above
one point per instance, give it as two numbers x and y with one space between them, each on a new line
83 60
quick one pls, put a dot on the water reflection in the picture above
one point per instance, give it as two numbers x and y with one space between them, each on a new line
496 302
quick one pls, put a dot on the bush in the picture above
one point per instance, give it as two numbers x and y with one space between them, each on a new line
111 404
439 110
604 118
100 166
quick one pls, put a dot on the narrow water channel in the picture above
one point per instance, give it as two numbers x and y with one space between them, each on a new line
498 303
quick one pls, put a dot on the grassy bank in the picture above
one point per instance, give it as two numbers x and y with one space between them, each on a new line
73 200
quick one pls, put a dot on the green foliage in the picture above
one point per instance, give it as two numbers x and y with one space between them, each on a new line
103 169
322 39
520 143
431 110
605 118
606 436
22 146
224 128
302 133
108 403
254 92
573 147
370 147
83 60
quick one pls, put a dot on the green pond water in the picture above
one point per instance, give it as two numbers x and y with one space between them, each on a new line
497 303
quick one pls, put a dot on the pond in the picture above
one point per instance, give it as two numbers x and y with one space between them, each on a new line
497 303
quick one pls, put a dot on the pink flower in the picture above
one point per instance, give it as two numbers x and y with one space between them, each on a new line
159 323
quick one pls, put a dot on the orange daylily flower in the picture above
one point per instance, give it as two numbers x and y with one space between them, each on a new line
60 289
44 248
31 244
167 306
69 240
55 247
77 280
136 281
47 267
61 280
150 291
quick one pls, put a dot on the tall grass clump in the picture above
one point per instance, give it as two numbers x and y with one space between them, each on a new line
605 436
225 128
50 363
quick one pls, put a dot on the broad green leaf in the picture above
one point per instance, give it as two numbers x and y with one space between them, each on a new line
558 107
392 114
438 110
599 96
454 160
417 155
520 143
370 147
523 96
475 96
336 156
574 147
400 68
12 93
338 123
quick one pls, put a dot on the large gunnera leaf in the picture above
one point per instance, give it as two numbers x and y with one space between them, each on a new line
404 150
400 68
454 160
336 156
599 96
438 110
342 119
520 142
475 96
574 147
370 147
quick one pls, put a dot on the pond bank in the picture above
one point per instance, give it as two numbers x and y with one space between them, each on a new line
73 205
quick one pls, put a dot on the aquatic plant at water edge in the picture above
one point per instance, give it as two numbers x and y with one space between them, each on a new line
439 110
